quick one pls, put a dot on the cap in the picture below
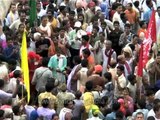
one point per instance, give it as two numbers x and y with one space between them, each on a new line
98 69
77 24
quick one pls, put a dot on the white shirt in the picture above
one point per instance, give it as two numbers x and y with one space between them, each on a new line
41 13
63 113
116 17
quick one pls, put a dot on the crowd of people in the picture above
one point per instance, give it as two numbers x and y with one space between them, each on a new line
83 57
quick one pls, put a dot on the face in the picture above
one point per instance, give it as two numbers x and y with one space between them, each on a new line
101 37
94 31
21 28
80 18
129 7
84 42
127 29
55 118
49 14
38 6
70 105
119 72
135 40
22 17
10 43
119 9
108 45
125 92
116 26
13 8
62 33
140 117
44 21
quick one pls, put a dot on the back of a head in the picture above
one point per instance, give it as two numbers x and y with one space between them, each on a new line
45 62
86 51
84 63
17 73
66 102
1 113
108 76
49 87
77 59
89 85
119 115
78 94
115 106
151 118
45 102
131 77
121 67
141 102
12 62
16 109
85 37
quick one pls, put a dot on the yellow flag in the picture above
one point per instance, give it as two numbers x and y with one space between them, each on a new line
24 65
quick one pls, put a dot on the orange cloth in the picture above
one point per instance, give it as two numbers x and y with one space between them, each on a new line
91 61
131 16
141 31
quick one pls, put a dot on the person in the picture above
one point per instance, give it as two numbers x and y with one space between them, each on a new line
120 82
139 116
115 108
16 23
45 111
41 75
66 112
18 114
95 113
47 94
55 117
57 64
78 107
108 55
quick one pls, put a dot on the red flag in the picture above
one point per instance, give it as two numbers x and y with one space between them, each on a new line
140 62
150 37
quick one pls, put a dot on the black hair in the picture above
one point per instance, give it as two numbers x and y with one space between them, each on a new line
78 94
158 7
116 22
45 61
85 37
49 87
12 62
141 102
77 59
141 23
61 8
50 10
44 16
17 73
149 92
87 52
22 12
150 118
55 115
1 113
66 102
103 34
108 76
127 25
84 63
115 106
45 102
132 46
1 83
131 77
96 27
119 115
130 4
139 113
89 85
121 67
148 2
16 109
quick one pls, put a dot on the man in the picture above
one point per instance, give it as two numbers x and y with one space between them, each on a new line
108 55
125 37
139 116
42 46
117 16
57 64
120 82
48 94
13 14
41 75
114 37
66 112
21 20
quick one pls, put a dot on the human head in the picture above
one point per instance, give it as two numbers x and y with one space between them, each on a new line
149 3
120 70
85 39
62 32
116 25
102 36
95 30
119 115
44 20
81 18
69 104
141 103
2 112
129 6
12 64
91 5
78 94
84 63
132 79
38 6
76 60
127 28
135 39
22 16
108 44
45 103
45 62
62 9
158 10
55 117
21 28
103 25
86 53
115 106
16 109
143 24
17 74
119 8
139 116
50 14
150 95
13 7
108 76
49 87
89 85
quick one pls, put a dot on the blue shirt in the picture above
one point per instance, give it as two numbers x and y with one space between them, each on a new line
147 15
111 116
